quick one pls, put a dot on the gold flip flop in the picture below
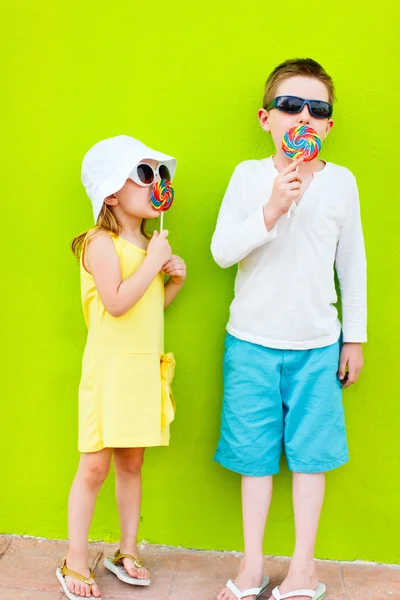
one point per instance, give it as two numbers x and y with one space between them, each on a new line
63 571
115 565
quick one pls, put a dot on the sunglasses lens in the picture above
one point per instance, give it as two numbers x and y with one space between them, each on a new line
145 173
164 172
320 109
289 104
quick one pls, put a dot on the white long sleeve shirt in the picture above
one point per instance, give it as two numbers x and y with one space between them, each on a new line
285 289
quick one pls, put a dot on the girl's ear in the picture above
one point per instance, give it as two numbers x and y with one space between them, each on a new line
111 200
263 117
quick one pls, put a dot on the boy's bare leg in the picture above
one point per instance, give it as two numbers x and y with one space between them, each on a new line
308 497
92 471
256 498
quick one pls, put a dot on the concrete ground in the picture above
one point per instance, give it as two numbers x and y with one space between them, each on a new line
27 572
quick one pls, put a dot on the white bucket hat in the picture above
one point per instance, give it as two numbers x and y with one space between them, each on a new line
108 164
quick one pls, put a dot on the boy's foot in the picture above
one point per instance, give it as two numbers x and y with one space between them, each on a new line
129 565
299 580
77 587
244 581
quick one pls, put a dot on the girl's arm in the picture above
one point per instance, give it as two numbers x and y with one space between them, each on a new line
118 296
176 270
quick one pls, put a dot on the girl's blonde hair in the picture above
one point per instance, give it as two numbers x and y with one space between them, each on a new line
106 221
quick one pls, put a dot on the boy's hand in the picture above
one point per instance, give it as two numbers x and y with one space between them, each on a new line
286 189
175 268
159 249
351 363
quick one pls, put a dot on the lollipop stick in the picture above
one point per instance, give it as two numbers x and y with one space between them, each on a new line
161 222
293 205
300 141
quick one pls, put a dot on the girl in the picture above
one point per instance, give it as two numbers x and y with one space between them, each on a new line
125 401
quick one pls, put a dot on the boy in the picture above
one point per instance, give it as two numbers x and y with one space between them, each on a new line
287 356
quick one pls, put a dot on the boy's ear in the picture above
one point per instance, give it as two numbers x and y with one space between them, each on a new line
111 200
263 117
330 123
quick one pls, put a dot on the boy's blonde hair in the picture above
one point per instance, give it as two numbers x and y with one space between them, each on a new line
107 222
306 67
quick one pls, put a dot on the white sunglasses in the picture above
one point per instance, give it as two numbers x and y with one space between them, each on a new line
144 174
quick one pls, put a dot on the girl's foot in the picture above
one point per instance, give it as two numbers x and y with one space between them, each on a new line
247 578
77 587
299 578
129 565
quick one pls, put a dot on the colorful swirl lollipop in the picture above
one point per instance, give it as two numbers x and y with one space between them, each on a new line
162 197
301 142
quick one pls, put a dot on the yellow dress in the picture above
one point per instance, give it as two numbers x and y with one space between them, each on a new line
125 398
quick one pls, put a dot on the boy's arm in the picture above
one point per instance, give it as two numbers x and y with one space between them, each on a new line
350 364
351 271
236 235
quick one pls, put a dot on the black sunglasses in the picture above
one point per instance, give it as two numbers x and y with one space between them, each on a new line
294 104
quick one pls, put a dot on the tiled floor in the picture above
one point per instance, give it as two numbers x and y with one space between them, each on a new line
27 572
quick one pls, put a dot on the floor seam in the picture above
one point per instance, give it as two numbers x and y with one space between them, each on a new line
4 551
98 558
342 582
171 587
31 589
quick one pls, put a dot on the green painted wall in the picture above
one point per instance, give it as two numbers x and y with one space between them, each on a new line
186 78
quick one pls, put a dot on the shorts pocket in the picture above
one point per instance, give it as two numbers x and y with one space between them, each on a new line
230 344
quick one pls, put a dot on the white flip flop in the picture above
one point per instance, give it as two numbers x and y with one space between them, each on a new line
63 571
317 594
257 592
114 564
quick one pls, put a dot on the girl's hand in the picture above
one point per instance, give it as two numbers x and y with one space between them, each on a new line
175 268
286 189
159 251
351 363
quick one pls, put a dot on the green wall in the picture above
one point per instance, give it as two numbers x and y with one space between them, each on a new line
187 78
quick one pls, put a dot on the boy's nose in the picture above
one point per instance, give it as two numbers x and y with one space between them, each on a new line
304 116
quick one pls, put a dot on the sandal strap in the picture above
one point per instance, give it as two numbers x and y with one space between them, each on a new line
138 564
67 572
240 595
250 592
276 593
232 587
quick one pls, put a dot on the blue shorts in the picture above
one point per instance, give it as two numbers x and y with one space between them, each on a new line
275 398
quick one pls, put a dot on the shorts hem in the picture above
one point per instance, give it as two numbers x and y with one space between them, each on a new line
249 471
320 467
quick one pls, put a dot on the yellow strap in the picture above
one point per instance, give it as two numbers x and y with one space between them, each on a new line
167 399
118 558
67 572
